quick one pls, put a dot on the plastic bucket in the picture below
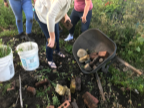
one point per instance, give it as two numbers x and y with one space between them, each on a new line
28 53
6 67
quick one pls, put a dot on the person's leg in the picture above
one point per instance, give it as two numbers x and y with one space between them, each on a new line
28 10
49 51
57 51
57 37
74 19
85 26
17 10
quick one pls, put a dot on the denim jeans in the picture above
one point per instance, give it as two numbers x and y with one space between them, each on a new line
17 7
49 51
76 16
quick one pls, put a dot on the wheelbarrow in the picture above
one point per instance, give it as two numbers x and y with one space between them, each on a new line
95 40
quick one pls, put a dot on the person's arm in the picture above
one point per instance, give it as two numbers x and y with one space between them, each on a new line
86 10
6 3
53 12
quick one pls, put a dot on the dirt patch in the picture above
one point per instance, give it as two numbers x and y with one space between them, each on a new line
66 67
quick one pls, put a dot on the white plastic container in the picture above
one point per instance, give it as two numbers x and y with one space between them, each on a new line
28 53
6 67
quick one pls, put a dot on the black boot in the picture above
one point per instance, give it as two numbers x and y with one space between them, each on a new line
21 36
27 37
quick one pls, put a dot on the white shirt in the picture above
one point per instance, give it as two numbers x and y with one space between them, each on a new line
51 12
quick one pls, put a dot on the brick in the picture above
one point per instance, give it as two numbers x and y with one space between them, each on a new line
41 83
31 90
93 55
66 104
10 89
51 106
68 94
73 85
12 86
68 25
90 100
74 105
78 83
103 54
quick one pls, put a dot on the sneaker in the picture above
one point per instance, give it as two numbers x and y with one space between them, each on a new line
69 37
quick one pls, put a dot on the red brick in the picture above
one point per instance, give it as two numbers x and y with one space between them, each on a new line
41 83
31 90
93 55
10 89
90 100
66 104
103 53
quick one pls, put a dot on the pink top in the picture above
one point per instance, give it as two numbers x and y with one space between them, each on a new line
79 5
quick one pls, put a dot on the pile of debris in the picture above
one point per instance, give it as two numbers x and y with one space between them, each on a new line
63 91
93 60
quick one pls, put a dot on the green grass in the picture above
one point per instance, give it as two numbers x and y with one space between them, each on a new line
4 50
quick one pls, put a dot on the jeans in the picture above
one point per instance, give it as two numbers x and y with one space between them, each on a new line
49 51
76 16
17 7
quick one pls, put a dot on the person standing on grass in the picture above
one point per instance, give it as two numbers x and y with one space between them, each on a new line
48 13
17 7
82 11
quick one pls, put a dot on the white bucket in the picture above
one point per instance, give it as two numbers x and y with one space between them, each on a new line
6 67
28 55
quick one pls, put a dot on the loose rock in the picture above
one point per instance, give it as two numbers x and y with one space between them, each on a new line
101 60
81 53
87 67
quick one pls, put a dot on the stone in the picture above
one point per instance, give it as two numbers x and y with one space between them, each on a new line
87 67
101 60
83 59
78 83
81 53
74 104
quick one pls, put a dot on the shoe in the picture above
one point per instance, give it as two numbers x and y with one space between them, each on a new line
69 37
27 37
21 36
52 65
60 54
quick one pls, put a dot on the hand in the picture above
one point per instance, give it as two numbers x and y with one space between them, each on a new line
51 42
83 19
6 4
67 18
